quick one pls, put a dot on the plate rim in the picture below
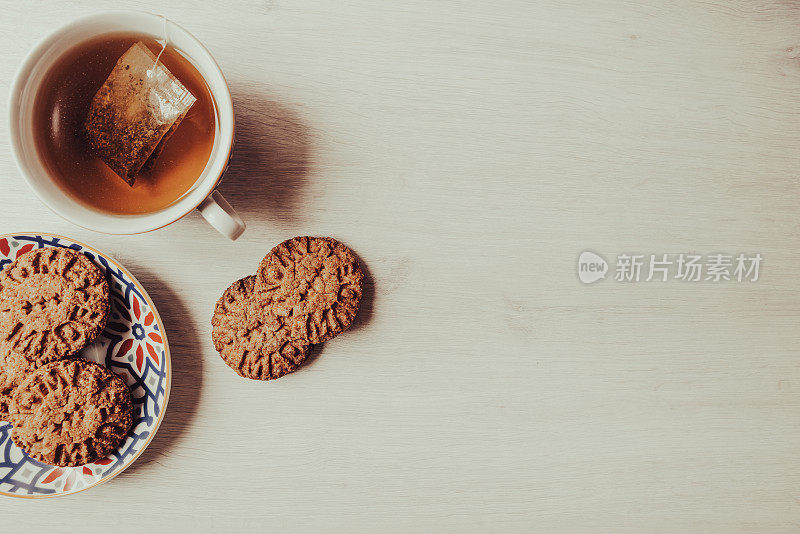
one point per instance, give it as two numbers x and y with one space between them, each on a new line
167 389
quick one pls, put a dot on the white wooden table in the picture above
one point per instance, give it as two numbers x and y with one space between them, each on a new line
469 151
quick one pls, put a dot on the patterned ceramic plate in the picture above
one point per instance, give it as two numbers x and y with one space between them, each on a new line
133 345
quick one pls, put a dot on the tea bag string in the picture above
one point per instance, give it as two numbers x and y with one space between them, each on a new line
163 41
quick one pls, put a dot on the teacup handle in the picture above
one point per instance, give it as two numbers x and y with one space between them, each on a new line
219 214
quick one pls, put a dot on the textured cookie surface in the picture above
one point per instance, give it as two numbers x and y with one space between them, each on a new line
13 370
251 339
312 284
53 302
71 412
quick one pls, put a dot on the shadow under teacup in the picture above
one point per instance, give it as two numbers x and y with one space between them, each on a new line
201 195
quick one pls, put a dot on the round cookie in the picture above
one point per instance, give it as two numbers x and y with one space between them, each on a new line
71 412
53 302
313 284
251 339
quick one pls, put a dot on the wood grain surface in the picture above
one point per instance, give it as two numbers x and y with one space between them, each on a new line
468 152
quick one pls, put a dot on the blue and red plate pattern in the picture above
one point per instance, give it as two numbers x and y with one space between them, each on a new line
133 345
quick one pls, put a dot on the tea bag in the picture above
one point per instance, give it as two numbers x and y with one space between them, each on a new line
138 107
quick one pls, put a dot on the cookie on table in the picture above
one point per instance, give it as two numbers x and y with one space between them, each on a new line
251 339
313 285
71 412
53 302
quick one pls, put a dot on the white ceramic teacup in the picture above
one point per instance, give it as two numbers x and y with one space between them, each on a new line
201 196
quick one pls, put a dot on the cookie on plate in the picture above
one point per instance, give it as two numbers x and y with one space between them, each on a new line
313 285
251 339
71 412
53 302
